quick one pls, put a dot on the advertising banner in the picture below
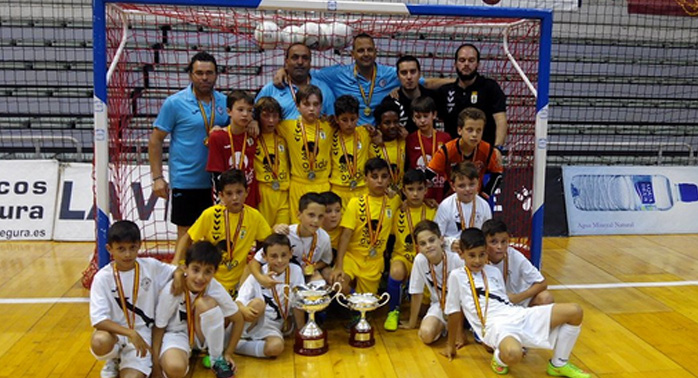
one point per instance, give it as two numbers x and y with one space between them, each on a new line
611 200
27 199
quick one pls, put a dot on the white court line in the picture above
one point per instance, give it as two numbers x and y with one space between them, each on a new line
617 285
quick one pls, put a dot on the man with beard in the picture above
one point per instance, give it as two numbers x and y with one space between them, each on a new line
473 90
297 69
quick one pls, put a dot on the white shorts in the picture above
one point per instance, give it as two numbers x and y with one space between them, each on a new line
263 329
530 326
435 311
129 357
180 340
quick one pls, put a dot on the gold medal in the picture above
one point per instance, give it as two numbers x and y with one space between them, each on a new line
229 265
275 185
353 184
309 270
311 175
373 252
206 141
367 111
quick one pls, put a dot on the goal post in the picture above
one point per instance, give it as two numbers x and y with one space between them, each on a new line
516 48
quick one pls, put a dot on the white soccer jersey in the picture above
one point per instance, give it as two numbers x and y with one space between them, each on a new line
251 289
448 217
421 275
104 295
301 246
521 273
171 311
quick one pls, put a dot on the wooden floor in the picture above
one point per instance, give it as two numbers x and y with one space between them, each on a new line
646 330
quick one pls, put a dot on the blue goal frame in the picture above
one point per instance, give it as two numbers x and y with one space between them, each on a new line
101 140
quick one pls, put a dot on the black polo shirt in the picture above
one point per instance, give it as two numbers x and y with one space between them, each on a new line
406 103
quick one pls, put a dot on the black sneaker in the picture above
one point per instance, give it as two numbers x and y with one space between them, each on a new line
222 368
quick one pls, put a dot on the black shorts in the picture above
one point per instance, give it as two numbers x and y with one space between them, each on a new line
188 204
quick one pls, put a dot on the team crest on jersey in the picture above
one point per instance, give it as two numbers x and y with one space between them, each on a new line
322 135
250 141
382 83
358 145
219 109
282 148
473 97
146 283
243 232
389 213
450 101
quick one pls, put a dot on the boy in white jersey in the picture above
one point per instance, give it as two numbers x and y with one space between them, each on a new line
267 311
122 304
203 317
525 285
311 246
431 268
464 208
478 290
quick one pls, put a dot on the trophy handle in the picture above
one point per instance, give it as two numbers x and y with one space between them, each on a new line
385 297
340 297
337 289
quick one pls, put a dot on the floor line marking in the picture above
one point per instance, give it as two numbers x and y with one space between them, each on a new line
43 300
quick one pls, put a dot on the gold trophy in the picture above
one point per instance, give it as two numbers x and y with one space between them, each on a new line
361 335
311 340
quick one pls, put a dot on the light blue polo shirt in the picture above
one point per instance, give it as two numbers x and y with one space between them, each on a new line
288 104
344 82
181 117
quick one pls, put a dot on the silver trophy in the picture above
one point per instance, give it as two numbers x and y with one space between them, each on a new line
362 334
311 340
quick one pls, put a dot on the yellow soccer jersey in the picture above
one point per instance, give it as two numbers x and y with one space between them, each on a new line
291 131
273 162
404 243
357 147
355 218
334 237
396 158
211 227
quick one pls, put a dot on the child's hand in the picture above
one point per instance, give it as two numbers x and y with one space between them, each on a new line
337 275
215 128
449 351
282 228
407 325
455 246
228 355
249 314
178 283
142 348
430 202
268 280
403 133
280 78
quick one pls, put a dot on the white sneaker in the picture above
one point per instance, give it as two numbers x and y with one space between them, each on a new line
110 369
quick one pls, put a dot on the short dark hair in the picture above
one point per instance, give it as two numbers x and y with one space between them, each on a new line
375 164
471 238
408 58
464 169
202 56
276 239
203 252
296 44
470 113
346 104
477 51
306 91
267 104
330 198
308 198
362 35
414 175
426 225
230 177
238 95
494 226
423 104
388 104
123 231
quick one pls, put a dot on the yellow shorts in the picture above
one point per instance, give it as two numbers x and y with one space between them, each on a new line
295 192
346 194
274 205
406 258
366 273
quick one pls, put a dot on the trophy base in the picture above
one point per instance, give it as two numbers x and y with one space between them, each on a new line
361 339
311 345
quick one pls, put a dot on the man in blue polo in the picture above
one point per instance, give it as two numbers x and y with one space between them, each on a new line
188 116
297 69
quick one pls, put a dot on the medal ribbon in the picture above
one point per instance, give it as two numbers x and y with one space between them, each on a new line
423 216
393 175
274 167
293 93
191 318
130 319
351 167
367 101
444 279
308 257
373 235
283 309
421 146
311 161
482 316
238 165
230 242
208 124
472 215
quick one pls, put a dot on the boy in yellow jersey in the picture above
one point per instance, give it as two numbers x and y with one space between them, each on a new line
366 226
414 187
350 149
271 163
393 148
232 223
309 141
333 216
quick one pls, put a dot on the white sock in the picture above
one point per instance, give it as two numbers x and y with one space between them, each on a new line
254 348
496 358
566 338
213 328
